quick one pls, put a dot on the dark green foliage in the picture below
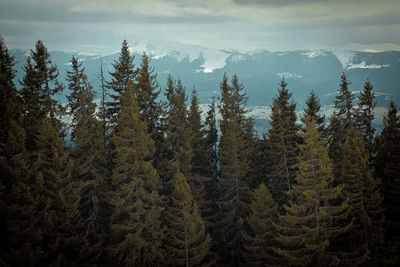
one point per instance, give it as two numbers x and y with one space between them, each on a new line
187 242
124 71
234 197
365 116
361 241
88 155
136 223
316 215
340 121
281 148
312 110
259 239
176 150
387 170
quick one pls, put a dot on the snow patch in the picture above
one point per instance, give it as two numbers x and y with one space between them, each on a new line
289 75
313 54
344 56
213 58
363 65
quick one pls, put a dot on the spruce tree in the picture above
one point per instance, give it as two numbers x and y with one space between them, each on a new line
259 239
88 155
340 121
147 92
312 110
365 203
176 149
187 242
136 228
233 188
387 170
318 212
365 116
14 195
281 148
124 71
211 141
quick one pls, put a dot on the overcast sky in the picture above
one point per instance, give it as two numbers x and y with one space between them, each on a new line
100 26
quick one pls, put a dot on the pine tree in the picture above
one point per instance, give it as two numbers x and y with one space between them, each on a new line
365 116
365 203
317 213
387 170
124 71
136 228
281 148
233 189
259 240
89 157
340 121
187 243
312 110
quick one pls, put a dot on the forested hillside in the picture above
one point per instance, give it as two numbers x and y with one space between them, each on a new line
136 180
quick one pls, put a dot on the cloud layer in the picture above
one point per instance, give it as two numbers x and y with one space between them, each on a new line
235 24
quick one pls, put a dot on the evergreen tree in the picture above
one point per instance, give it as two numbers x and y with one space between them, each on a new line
103 108
317 213
187 241
124 71
312 110
233 190
136 228
365 116
365 203
39 86
211 141
387 170
14 196
259 239
147 92
340 121
89 157
176 151
282 148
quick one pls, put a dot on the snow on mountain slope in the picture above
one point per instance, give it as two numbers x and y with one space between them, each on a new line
213 58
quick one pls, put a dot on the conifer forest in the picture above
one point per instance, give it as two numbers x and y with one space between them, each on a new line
125 178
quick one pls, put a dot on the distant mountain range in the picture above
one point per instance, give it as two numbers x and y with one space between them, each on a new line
259 71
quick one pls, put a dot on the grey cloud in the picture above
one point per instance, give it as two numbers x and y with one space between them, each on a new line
279 2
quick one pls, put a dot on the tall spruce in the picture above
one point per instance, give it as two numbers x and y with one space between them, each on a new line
259 239
318 212
233 189
365 116
136 221
312 110
147 90
281 148
176 151
39 86
124 71
88 155
387 170
15 201
361 242
187 242
340 121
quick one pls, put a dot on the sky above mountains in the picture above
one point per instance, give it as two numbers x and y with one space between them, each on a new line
100 26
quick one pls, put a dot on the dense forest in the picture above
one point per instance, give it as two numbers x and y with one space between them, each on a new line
124 178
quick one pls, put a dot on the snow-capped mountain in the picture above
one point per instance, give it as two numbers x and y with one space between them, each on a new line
260 71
